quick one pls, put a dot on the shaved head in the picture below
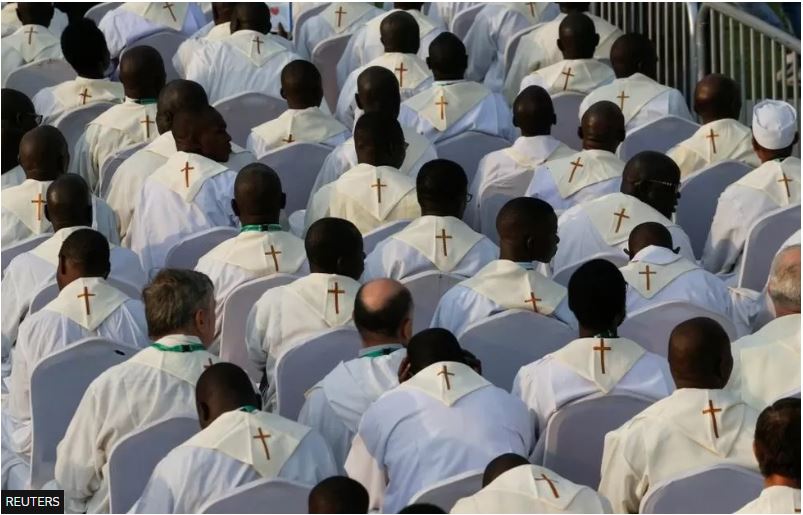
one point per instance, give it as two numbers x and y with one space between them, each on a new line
258 195
338 494
378 91
602 127
334 246
577 36
142 72
399 33
447 58
301 85
383 312
700 354
500 465
178 95
223 387
202 131
653 178
250 16
533 112
716 97
633 53
647 234
528 230
43 153
69 202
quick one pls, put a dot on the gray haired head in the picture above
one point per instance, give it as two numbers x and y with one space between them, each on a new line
784 285
173 298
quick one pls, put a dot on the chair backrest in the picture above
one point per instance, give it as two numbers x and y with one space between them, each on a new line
298 165
111 164
263 496
507 341
13 251
463 20
650 327
305 15
427 288
698 200
563 275
372 238
72 123
235 315
307 362
445 494
764 239
58 383
51 290
491 202
575 434
659 135
718 489
34 77
567 109
467 148
188 250
325 57
97 12
134 457
166 42
513 45
245 111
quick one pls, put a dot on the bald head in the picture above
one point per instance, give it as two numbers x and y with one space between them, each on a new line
35 13
258 195
577 36
178 95
223 387
142 72
251 16
43 153
653 178
383 312
334 246
202 131
399 33
717 97
301 85
432 346
784 283
648 234
633 53
447 57
378 91
528 230
602 127
338 494
700 354
69 202
500 465
533 112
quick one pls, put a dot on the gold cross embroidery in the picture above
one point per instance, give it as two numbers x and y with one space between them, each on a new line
147 121
713 412
84 95
647 273
379 187
400 70
534 301
336 292
273 252
39 201
186 171
340 12
576 164
262 437
289 139
443 236
602 348
568 73
258 43
551 483
621 215
30 33
713 136
442 104
445 373
86 296
169 7
622 98
786 180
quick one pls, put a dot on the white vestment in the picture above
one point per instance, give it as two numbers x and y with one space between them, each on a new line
445 420
328 24
186 50
601 225
52 102
641 99
173 204
443 243
245 61
335 405
287 314
570 75
774 184
449 108
525 489
13 177
310 125
689 430
368 196
34 43
568 181
508 172
11 22
118 127
229 453
500 286
490 34
713 142
774 499
10 60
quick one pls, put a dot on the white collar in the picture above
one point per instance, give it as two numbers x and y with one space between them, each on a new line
535 147
657 255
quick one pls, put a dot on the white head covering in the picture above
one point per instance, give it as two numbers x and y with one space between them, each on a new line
774 124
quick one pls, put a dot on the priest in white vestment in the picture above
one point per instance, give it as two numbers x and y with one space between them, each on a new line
324 299
215 30
19 117
383 315
635 90
439 240
304 121
443 419
238 444
773 185
33 41
527 236
337 19
11 22
649 193
589 174
155 383
698 426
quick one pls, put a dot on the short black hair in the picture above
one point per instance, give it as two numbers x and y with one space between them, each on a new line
378 130
84 45
441 182
500 465
388 319
422 507
338 494
777 439
89 249
330 239
227 381
597 294
433 346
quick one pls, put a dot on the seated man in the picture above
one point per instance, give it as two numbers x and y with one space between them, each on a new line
18 117
453 105
304 121
591 173
323 299
697 426
578 72
383 315
511 484
527 234
427 429
374 192
337 19
33 40
717 100
777 449
439 239
338 494
85 49
156 383
217 29
238 444
11 21
773 185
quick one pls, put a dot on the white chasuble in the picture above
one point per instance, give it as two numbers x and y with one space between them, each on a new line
616 215
54 101
446 103
330 297
779 180
603 361
261 252
26 203
168 14
310 125
34 43
650 278
714 142
341 17
631 94
775 499
446 381
513 287
256 47
185 174
572 75
444 240
178 357
87 301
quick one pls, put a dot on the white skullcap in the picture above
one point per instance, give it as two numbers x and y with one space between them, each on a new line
774 124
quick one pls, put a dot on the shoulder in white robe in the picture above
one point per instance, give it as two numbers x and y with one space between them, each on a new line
34 43
13 177
52 102
774 499
570 75
714 142
11 22
328 24
310 125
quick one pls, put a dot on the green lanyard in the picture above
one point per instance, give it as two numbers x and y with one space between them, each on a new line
608 334
192 347
248 408
380 352
261 228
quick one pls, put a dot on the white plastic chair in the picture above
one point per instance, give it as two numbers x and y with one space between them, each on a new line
110 166
507 341
305 15
166 42
72 123
651 327
567 109
245 111
699 194
188 250
717 489
445 494
491 202
34 77
463 21
764 239
235 315
372 238
325 57
57 385
574 437
563 275
307 362
264 496
513 45
97 12
297 165
427 288
659 135
467 148
13 251
51 290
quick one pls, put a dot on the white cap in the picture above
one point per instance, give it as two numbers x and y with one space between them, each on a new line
774 124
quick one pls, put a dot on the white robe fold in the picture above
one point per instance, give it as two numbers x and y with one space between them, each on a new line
774 499
13 177
714 142
186 50
11 22
328 24
34 43
311 125
570 76
52 102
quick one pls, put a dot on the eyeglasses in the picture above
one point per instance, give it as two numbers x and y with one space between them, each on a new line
674 186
